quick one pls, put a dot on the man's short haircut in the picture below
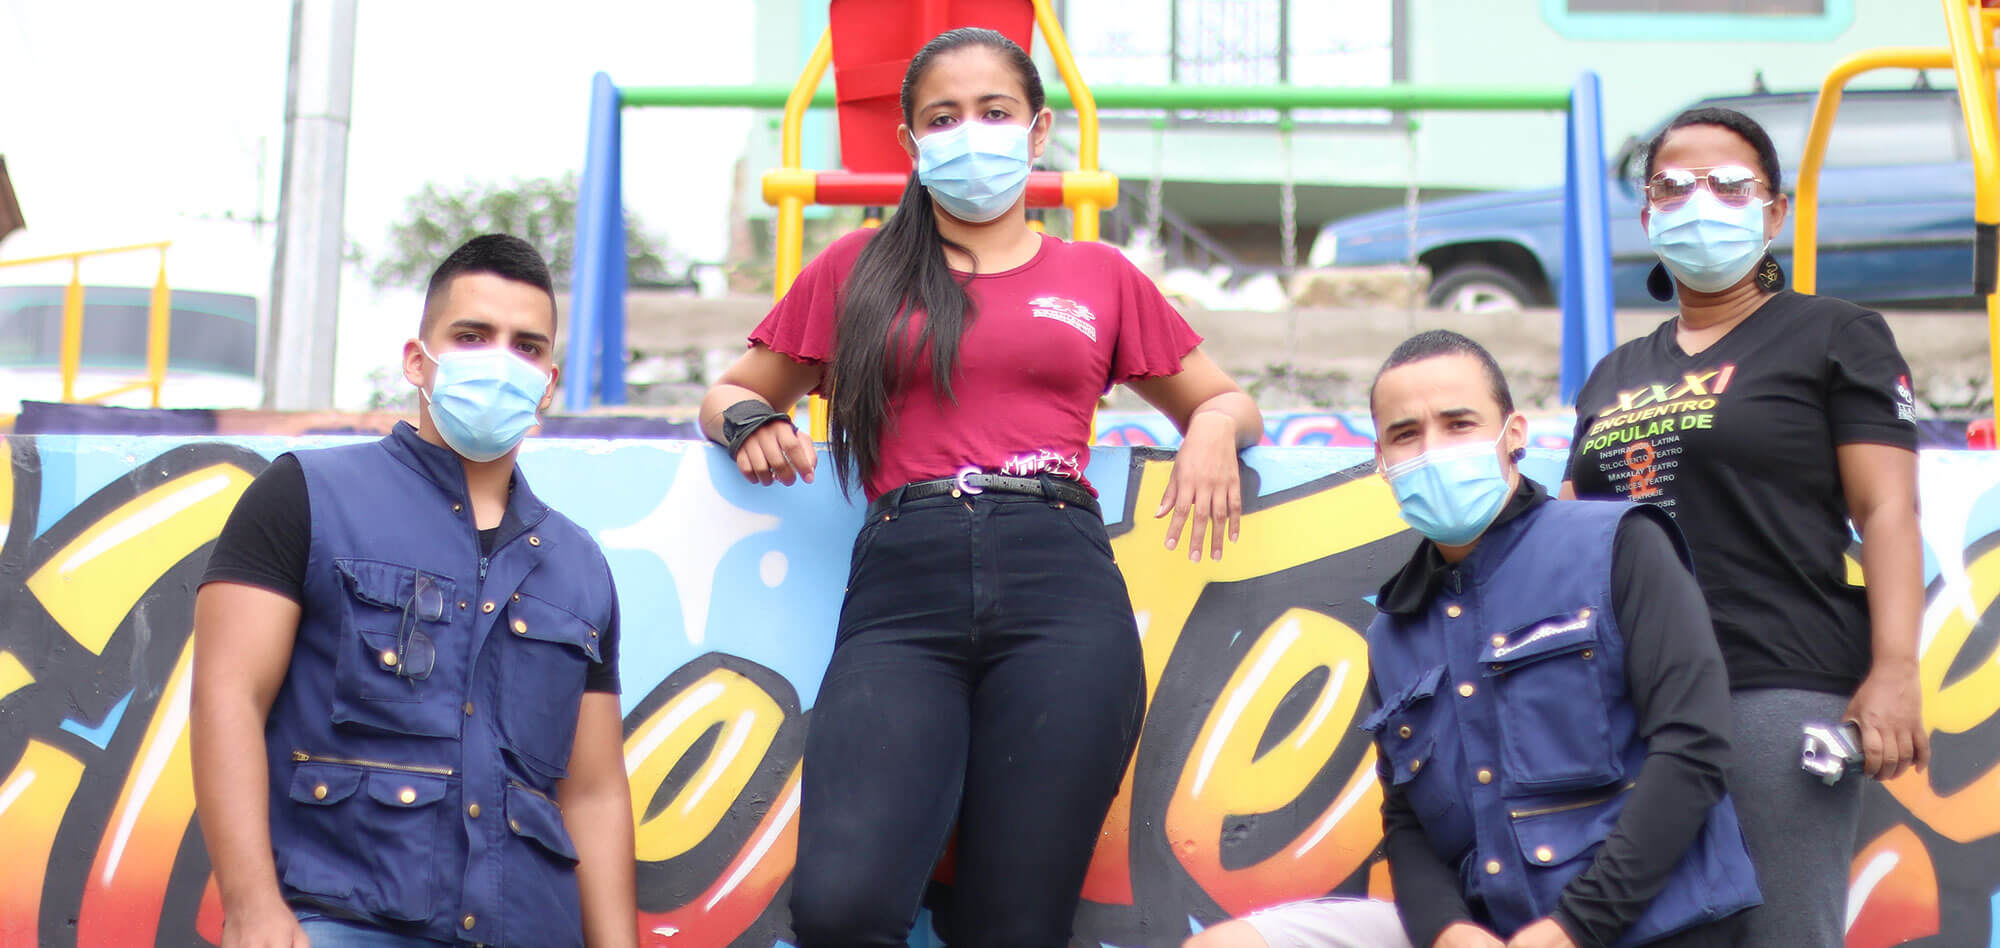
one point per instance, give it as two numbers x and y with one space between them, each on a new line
1442 342
502 255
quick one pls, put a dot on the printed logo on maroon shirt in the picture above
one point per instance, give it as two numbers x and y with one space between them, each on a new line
1906 400
1068 312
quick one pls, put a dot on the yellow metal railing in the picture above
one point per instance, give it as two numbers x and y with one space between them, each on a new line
159 318
1973 59
1086 190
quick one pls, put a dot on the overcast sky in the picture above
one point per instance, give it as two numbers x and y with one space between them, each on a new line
136 120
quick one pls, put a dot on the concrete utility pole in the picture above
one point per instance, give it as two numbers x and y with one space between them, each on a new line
305 276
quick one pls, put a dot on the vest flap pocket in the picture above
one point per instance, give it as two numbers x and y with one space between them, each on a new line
1410 760
1556 635
1566 828
402 790
531 617
391 586
536 818
323 784
1425 686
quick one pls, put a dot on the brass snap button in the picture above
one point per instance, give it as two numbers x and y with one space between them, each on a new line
468 922
534 541
1499 640
1416 765
1485 776
514 825
1466 690
468 709
486 606
457 508
1403 732
1492 867
407 795
1453 611
1583 613
517 597
319 792
389 657
1589 654
1545 854
462 603
520 627
472 811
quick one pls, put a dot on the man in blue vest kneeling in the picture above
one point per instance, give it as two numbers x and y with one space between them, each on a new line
405 719
1552 707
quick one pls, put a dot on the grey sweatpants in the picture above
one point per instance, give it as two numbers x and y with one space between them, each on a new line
1801 832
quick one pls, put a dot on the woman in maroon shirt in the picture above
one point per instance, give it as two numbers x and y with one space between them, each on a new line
986 669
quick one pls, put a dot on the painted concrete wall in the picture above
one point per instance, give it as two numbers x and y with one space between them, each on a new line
729 597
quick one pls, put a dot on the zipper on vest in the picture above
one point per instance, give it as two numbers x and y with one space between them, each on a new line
482 566
304 758
522 786
1566 807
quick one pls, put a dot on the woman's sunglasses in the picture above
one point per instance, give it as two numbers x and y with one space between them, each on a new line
1733 185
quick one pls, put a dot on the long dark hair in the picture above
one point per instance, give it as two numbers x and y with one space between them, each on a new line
902 270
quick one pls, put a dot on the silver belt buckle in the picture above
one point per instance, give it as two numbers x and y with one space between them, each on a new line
965 485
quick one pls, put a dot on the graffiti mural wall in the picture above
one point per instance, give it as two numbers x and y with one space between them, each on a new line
1250 785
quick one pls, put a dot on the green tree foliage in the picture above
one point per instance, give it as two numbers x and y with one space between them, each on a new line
541 211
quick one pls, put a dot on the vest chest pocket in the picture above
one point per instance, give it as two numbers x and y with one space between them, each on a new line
386 671
543 663
1407 734
1548 679
369 837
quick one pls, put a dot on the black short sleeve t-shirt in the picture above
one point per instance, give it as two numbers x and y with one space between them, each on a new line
268 536
1737 443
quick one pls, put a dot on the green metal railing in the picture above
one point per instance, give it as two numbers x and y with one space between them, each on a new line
1430 98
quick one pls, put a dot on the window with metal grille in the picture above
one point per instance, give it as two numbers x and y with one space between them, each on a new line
1240 42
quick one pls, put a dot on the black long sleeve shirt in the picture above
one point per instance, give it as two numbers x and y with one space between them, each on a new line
1680 693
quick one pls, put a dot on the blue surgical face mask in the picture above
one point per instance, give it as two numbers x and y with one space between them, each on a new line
1451 494
1706 244
483 401
975 170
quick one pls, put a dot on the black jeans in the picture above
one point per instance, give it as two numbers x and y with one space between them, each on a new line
987 670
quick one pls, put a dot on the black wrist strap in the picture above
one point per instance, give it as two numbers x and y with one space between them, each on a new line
741 420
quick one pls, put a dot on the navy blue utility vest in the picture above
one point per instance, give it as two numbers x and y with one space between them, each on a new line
1507 725
431 701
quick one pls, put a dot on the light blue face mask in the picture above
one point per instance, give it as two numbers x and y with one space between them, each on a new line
1706 244
976 170
1451 494
483 401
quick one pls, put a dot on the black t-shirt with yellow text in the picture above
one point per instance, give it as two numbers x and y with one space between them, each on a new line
1737 443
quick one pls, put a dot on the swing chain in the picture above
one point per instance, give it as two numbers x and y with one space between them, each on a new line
1288 200
1155 189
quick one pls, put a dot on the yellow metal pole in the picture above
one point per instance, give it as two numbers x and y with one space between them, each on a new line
1805 247
72 331
159 331
1083 213
59 257
791 207
1079 94
1974 70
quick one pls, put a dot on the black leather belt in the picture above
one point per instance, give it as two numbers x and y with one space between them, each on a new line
973 482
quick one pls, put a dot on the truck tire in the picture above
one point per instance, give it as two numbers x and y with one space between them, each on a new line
1479 288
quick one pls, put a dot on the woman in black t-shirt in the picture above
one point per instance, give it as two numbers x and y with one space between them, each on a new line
1764 420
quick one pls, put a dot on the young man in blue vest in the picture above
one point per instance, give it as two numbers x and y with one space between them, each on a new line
1551 704
405 721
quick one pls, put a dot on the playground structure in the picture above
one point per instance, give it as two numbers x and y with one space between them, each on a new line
159 323
1973 56
868 43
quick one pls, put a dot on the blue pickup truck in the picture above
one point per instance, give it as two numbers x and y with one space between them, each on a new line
1895 220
